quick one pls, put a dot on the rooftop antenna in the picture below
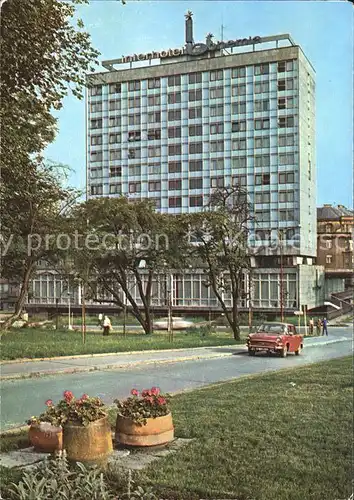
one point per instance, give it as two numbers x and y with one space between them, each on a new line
189 28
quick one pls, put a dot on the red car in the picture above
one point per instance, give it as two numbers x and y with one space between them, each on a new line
281 338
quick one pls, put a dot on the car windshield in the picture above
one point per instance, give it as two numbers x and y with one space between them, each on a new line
272 328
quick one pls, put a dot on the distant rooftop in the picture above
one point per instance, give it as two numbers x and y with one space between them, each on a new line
333 212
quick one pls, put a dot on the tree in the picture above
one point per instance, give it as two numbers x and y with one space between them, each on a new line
33 217
221 232
127 247
44 56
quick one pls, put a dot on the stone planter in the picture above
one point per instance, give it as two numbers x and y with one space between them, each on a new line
45 437
157 431
89 445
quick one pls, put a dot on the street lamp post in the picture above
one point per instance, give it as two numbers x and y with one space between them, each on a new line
69 312
280 232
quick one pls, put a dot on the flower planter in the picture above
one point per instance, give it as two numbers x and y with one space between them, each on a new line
45 437
157 431
90 445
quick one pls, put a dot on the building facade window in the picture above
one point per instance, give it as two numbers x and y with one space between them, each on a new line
154 83
115 171
238 126
96 107
239 180
96 140
329 259
261 69
175 202
286 178
96 90
134 119
154 116
328 244
175 184
174 80
134 135
154 100
262 215
286 121
216 128
239 162
114 121
216 75
286 215
174 149
195 95
196 183
115 88
261 124
154 134
195 78
238 72
262 142
195 112
96 156
286 196
174 132
261 105
154 185
174 97
196 201
261 87
238 108
195 130
114 105
174 167
262 197
262 179
115 154
96 189
286 84
134 170
238 144
195 147
262 161
285 102
134 85
217 182
174 115
134 187
134 153
195 165
115 189
216 93
217 110
284 66
286 140
237 90
114 138
286 158
154 151
216 146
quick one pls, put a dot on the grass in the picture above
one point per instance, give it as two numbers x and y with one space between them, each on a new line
37 343
258 438
264 439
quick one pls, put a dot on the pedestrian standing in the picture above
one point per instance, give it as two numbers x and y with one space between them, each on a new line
324 326
318 326
106 326
100 318
311 325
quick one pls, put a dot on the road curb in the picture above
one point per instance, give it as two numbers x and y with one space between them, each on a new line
68 371
119 353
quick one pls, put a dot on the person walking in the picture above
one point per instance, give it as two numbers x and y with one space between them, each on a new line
318 326
324 326
311 325
107 326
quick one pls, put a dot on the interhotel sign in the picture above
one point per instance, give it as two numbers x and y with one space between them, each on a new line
191 49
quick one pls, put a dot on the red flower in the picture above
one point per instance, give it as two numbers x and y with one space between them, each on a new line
161 400
146 392
134 392
49 402
155 391
150 399
84 396
68 396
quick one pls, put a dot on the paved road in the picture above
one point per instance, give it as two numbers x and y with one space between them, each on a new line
23 398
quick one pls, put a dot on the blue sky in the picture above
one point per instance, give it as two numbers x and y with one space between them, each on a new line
323 29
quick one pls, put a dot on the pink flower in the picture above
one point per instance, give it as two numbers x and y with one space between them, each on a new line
49 402
68 396
155 391
161 400
146 392
149 399
134 392
84 397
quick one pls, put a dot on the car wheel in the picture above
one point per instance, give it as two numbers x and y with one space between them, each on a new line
284 352
298 351
251 352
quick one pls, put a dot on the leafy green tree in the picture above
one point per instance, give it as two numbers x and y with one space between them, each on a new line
34 215
127 246
46 54
221 232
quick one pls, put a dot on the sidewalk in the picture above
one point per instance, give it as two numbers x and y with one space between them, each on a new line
18 369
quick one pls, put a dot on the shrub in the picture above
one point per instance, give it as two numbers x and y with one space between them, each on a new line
150 404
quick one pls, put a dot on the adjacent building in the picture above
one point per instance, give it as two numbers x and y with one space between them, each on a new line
335 245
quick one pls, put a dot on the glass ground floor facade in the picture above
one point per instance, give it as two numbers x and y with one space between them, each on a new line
262 289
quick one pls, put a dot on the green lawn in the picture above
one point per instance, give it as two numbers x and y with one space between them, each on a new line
258 438
263 439
32 343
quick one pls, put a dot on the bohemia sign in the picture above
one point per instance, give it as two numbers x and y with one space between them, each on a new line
191 49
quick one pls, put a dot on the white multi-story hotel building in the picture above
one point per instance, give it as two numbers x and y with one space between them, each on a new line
210 114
